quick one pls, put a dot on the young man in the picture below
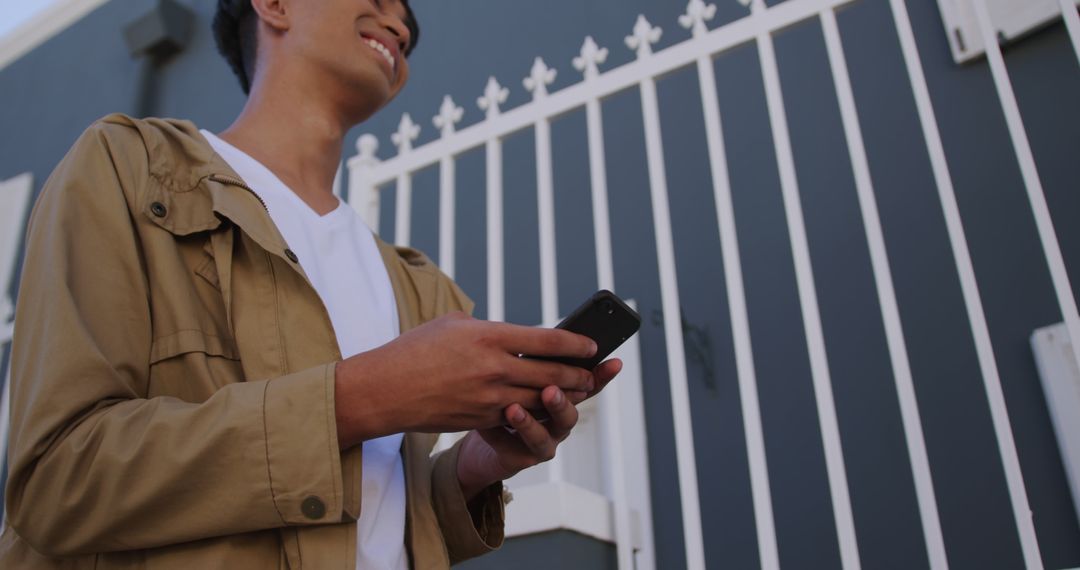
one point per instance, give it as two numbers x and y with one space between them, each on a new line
207 371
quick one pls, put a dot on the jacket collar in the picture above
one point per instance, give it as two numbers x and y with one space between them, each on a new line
197 186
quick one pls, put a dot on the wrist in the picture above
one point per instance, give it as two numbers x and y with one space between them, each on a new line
363 411
472 479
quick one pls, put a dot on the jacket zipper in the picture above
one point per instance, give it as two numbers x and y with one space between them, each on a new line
237 182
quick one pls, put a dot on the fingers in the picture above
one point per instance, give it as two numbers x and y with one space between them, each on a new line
539 374
605 372
537 438
564 415
543 342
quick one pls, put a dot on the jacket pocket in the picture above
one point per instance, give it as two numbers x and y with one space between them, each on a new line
184 342
192 365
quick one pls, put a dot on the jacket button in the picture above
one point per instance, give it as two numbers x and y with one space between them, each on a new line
292 256
158 209
313 508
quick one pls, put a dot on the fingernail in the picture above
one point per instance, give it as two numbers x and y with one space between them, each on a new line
593 349
557 398
518 416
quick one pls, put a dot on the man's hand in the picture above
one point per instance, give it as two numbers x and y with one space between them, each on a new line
453 374
491 455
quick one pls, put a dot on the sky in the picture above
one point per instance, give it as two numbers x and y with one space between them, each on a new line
15 12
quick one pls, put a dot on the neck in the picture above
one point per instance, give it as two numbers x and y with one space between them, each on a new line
297 137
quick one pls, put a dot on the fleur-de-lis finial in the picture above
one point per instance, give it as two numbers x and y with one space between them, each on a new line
366 147
590 59
449 115
494 95
645 35
539 78
406 134
697 13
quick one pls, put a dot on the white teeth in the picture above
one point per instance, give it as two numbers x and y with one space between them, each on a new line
383 50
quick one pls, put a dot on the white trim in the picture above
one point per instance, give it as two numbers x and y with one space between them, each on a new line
669 294
764 522
1055 359
890 311
559 506
1072 23
804 277
42 27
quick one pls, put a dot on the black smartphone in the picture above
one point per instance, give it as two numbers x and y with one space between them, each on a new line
607 320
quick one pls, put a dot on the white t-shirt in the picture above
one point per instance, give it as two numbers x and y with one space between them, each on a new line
339 255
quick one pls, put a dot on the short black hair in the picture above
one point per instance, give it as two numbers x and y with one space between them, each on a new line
235 35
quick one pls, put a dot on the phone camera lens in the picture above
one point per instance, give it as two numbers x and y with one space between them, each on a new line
608 307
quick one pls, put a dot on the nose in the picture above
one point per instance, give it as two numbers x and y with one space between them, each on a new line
397 27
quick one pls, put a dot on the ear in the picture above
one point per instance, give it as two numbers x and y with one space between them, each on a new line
273 13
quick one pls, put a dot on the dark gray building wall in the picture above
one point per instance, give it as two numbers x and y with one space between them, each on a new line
50 95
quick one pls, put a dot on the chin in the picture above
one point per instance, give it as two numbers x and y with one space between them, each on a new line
366 97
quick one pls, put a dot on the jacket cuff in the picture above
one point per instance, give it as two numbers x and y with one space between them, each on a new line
467 536
302 455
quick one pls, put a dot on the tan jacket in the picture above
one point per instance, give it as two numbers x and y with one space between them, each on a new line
173 379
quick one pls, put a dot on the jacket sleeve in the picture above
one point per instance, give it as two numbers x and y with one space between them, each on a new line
96 466
470 529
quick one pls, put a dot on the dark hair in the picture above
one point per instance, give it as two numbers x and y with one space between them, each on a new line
235 34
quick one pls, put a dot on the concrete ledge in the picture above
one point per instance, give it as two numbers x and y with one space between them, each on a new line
559 549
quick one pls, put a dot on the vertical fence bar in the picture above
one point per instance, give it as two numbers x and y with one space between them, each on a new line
447 196
890 311
644 36
403 210
589 60
496 278
403 138
1072 23
363 196
768 551
804 276
495 95
1058 273
449 115
540 77
962 255
1036 194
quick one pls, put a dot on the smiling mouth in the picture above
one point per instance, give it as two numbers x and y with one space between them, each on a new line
383 51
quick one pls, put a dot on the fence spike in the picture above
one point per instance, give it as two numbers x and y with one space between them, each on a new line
644 36
449 115
590 59
366 147
494 95
539 78
697 13
407 132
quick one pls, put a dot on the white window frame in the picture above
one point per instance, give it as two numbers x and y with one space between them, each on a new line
1013 20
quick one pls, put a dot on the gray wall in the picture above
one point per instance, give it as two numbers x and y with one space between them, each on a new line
49 96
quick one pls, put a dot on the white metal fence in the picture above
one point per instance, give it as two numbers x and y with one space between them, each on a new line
14 201
367 175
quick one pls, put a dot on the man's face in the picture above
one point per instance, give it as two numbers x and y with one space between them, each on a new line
358 45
